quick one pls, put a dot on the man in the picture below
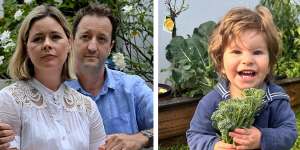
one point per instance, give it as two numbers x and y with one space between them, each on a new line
6 135
125 102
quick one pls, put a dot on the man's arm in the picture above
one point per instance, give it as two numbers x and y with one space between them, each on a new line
129 142
6 135
143 96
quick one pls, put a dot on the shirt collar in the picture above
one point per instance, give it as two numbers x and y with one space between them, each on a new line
110 82
74 84
272 91
44 90
222 89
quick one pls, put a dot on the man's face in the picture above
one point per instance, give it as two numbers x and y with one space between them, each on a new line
93 42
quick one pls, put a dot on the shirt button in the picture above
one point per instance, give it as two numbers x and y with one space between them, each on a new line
64 138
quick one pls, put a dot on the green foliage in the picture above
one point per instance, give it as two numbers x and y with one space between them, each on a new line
237 112
11 25
192 73
297 143
134 37
175 147
286 15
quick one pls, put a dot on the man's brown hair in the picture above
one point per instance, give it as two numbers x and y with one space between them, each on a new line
99 10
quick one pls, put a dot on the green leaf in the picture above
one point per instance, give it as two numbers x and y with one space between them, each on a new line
189 56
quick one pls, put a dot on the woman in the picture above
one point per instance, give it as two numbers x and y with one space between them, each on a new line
44 112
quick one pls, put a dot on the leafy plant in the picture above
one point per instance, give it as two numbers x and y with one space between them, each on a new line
237 112
297 143
175 147
134 37
192 73
286 15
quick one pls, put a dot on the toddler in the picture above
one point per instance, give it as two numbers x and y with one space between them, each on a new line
244 48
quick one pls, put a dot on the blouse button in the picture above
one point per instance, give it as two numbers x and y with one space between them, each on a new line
55 99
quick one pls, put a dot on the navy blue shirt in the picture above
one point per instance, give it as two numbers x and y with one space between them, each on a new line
276 121
125 102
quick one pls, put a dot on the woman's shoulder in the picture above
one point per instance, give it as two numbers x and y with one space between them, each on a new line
19 94
17 90
16 86
75 101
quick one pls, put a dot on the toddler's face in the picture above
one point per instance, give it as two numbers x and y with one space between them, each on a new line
246 61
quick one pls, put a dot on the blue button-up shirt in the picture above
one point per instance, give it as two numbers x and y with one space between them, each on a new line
125 102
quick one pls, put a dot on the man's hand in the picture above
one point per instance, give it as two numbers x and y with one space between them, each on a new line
246 138
6 136
220 145
124 142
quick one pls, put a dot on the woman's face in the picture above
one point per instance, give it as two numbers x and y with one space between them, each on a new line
47 45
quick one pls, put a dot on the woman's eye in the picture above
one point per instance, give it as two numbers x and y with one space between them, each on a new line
37 39
56 37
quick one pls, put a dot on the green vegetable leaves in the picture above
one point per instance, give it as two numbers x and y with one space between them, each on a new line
192 73
237 112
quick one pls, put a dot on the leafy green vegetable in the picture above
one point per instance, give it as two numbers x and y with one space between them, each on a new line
237 112
193 74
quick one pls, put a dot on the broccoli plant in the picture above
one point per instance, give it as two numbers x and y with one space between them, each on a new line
237 112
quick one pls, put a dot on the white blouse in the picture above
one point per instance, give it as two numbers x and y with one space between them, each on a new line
48 120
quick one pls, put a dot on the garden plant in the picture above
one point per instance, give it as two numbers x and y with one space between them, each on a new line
133 52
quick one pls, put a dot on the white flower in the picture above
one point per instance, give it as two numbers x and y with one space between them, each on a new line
119 60
18 14
8 45
127 8
28 2
1 60
5 36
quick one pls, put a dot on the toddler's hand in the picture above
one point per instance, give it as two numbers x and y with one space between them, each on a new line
246 138
102 147
223 146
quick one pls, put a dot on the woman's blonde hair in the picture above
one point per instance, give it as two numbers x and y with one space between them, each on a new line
235 22
20 66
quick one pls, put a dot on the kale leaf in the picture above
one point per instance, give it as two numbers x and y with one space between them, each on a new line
237 112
